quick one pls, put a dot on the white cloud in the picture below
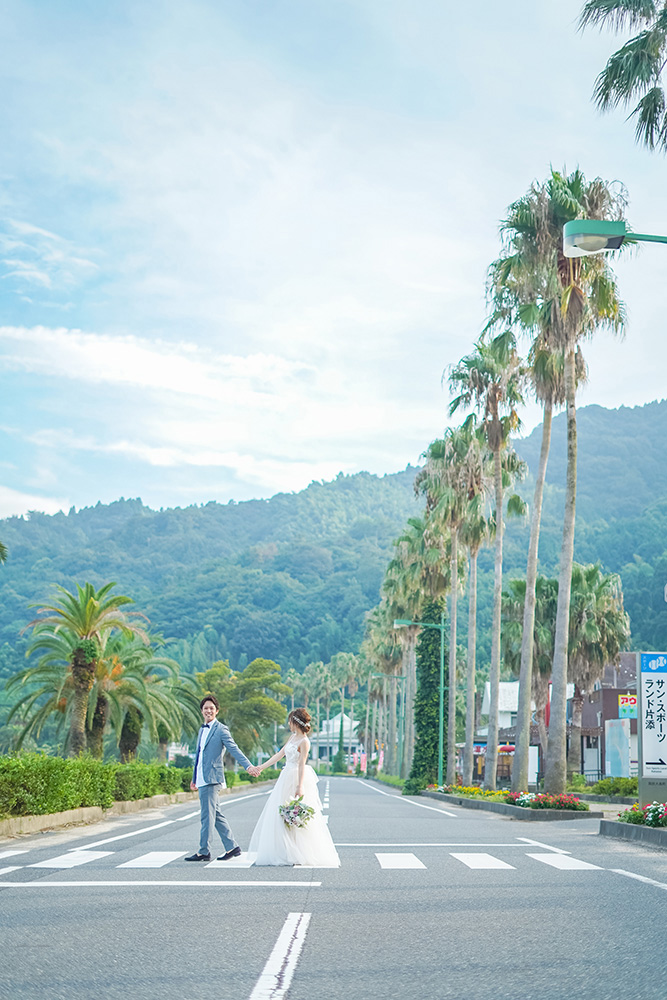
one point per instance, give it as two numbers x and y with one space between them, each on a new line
15 502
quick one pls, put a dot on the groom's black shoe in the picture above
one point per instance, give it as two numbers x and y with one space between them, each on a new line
199 857
234 853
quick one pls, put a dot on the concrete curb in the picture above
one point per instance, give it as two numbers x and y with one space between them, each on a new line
16 825
647 835
514 812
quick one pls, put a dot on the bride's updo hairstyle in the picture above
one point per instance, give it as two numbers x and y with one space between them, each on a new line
302 718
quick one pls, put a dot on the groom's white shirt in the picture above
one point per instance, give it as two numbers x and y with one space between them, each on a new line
204 735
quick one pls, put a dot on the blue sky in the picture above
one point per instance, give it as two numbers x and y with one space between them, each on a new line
240 240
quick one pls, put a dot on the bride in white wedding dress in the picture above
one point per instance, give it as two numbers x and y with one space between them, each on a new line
272 841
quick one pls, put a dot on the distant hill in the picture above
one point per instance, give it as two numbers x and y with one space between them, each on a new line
291 578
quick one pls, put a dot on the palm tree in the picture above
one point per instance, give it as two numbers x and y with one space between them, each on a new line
582 299
313 678
634 72
490 379
129 678
599 629
475 531
343 668
452 479
87 617
523 292
382 648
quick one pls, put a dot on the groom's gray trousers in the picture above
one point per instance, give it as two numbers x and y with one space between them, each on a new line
212 816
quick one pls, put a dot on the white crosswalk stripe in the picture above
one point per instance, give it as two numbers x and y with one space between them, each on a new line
10 868
564 862
11 854
399 861
72 860
481 860
154 859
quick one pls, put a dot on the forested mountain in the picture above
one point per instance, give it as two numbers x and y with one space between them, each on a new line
291 578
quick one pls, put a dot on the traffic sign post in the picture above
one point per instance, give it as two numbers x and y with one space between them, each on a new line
652 728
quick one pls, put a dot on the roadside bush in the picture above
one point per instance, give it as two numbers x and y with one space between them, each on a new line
36 784
411 786
616 786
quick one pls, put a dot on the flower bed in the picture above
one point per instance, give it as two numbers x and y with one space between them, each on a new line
654 815
527 800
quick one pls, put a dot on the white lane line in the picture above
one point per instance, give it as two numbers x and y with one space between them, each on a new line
639 878
276 977
166 822
326 820
399 861
11 854
481 860
71 860
547 847
420 805
564 863
154 859
10 868
197 883
124 836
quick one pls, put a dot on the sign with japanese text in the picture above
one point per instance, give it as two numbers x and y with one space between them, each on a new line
653 668
627 706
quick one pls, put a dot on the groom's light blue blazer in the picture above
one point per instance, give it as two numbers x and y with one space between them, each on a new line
219 740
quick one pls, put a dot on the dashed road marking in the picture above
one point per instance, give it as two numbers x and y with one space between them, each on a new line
564 862
71 860
399 861
481 860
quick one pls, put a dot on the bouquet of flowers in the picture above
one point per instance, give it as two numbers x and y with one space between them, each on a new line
295 813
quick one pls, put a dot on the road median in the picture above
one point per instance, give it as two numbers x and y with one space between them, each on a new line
514 812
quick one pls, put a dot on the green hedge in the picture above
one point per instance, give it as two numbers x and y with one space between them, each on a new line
34 784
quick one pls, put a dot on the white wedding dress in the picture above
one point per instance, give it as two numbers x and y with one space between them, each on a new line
275 843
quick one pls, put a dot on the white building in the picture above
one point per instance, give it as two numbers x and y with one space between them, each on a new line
325 743
508 704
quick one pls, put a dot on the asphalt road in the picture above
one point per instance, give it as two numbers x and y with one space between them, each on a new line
430 903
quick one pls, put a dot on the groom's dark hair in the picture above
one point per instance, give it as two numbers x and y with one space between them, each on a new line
210 697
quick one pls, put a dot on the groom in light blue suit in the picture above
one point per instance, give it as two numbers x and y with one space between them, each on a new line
208 777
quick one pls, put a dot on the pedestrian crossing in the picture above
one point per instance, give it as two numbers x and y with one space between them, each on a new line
474 860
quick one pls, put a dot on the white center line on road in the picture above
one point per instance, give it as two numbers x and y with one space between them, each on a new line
399 861
166 822
11 854
71 860
10 868
420 805
639 878
154 859
564 862
548 847
482 861
197 883
275 980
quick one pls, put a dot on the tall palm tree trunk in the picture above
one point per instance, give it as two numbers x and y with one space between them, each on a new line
83 677
95 735
451 701
522 743
317 737
470 674
491 763
391 740
556 770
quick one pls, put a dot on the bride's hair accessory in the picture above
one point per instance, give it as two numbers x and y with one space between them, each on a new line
302 718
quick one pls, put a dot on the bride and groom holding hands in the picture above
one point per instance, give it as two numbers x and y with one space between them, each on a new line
273 842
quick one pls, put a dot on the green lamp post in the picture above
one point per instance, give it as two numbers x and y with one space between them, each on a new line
399 623
583 237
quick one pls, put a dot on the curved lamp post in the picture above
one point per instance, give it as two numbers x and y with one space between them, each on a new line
399 623
583 237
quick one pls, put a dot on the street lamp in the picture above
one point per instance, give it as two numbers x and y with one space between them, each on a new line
399 623
583 237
